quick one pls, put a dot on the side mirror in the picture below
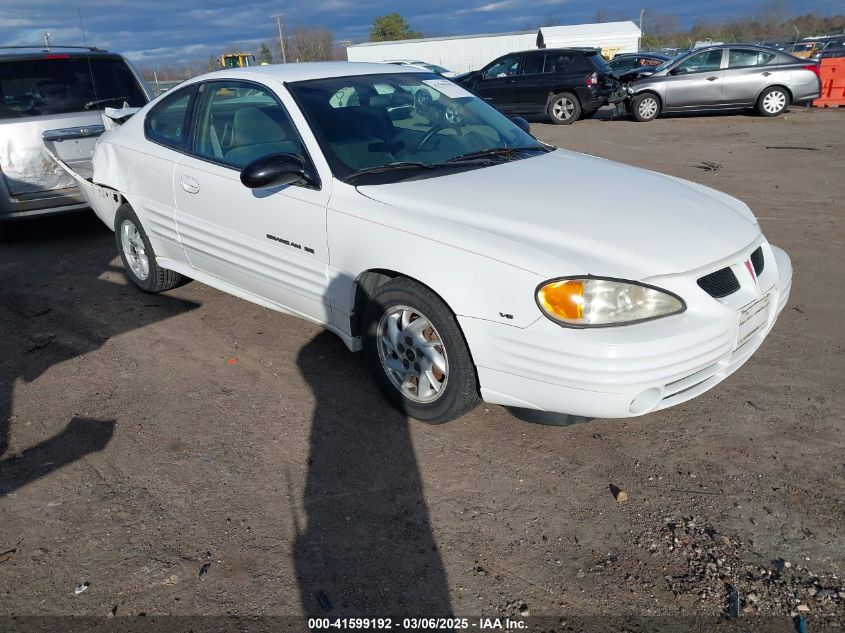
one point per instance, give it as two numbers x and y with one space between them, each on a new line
274 170
677 70
522 124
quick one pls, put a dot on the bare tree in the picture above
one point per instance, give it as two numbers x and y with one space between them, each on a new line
662 25
311 45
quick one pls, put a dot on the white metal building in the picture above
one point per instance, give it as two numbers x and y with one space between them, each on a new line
610 37
462 53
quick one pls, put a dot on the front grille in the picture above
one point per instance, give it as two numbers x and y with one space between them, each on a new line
757 260
719 284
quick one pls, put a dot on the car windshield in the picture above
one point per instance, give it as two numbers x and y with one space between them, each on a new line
62 83
402 125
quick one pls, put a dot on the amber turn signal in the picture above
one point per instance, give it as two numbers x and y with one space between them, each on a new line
564 298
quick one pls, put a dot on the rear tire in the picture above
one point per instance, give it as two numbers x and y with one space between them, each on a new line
564 108
645 107
773 101
426 370
139 259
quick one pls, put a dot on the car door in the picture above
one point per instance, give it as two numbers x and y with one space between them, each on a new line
496 83
696 82
534 84
167 125
747 75
269 243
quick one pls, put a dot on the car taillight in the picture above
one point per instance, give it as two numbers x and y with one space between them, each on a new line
592 79
813 68
56 56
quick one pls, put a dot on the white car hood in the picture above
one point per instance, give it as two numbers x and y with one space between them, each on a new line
590 214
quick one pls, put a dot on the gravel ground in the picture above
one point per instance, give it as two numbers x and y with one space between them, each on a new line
191 454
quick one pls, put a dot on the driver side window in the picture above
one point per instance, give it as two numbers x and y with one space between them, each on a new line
239 122
700 62
504 67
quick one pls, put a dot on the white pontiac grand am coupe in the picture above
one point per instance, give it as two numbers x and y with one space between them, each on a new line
466 258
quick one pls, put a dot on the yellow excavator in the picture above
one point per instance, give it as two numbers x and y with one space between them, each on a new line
237 60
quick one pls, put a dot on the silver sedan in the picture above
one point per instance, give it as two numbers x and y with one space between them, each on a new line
725 78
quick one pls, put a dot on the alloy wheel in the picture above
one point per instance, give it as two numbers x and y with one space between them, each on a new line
134 250
412 354
563 109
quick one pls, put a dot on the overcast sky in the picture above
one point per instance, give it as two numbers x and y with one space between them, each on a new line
170 31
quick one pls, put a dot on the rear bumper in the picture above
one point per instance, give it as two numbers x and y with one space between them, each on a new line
593 98
806 90
40 204
627 371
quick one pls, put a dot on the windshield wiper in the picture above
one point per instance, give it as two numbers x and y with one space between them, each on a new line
106 100
389 167
495 152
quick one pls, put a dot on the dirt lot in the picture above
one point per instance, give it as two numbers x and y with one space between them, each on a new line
193 454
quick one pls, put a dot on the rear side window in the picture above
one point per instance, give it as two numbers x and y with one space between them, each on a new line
167 123
61 83
557 62
532 64
741 57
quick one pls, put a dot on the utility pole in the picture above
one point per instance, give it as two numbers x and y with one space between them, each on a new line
278 17
46 37
639 41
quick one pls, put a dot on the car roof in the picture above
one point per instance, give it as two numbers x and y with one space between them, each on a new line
308 70
663 55
761 47
26 54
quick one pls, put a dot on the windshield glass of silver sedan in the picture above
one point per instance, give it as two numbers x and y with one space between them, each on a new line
408 123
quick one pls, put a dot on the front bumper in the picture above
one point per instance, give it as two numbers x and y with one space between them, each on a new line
627 371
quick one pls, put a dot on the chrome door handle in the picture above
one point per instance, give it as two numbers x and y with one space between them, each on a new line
712 78
766 74
190 185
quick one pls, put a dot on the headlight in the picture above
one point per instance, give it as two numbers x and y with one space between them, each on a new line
595 302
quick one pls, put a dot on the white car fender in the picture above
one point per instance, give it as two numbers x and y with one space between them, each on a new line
462 278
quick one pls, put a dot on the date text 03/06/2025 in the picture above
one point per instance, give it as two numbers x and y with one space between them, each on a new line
386 624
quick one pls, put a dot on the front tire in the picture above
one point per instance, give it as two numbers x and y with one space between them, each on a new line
139 259
564 108
417 353
645 107
773 101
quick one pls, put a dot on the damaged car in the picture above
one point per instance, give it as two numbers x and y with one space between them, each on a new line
722 78
432 235
64 89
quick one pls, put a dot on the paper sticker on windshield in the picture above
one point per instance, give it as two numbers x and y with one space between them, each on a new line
446 87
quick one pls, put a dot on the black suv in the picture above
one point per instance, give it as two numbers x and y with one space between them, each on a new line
564 83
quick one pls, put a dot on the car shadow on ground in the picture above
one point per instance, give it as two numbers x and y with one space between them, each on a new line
60 298
367 547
